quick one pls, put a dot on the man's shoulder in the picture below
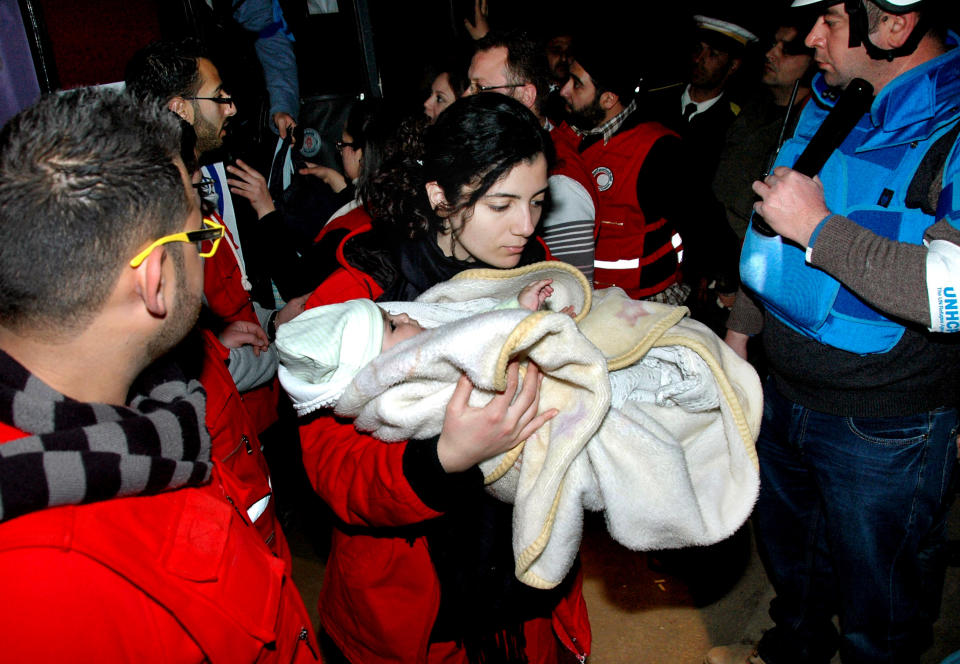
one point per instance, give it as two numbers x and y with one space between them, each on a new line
643 128
177 547
144 521
138 560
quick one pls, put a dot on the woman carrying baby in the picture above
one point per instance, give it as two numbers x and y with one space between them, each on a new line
421 563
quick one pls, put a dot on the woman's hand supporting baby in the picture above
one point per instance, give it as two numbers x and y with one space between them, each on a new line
471 435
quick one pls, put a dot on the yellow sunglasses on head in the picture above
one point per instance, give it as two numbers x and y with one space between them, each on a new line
212 233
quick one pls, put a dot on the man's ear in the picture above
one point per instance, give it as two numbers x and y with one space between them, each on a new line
180 106
150 282
897 28
734 66
608 100
527 95
438 201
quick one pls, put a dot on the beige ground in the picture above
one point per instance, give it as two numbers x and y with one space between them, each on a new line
642 616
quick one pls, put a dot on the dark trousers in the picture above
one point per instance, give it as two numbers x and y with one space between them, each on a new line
850 522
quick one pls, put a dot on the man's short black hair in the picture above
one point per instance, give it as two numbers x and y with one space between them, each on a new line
526 61
87 177
164 70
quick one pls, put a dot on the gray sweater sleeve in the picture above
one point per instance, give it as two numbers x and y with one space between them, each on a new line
889 275
745 316
249 370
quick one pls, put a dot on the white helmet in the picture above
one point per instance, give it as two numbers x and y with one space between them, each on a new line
859 28
892 6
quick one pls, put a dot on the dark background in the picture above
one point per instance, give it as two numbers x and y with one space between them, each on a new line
87 43
370 47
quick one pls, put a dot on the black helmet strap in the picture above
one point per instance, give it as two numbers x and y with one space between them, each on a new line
860 33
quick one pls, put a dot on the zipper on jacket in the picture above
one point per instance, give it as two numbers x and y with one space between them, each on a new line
246 442
580 654
243 517
305 637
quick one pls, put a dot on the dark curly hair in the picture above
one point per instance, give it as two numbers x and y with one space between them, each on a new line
385 133
473 144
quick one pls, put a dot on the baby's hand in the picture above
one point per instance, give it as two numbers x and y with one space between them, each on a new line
244 333
533 296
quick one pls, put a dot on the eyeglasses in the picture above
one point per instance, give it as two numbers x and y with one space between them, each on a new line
344 144
212 233
474 87
226 101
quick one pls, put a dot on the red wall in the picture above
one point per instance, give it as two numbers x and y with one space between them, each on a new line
93 39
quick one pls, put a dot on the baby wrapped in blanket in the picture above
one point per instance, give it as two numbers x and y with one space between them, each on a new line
657 417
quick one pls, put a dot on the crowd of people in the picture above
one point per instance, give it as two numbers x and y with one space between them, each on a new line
143 498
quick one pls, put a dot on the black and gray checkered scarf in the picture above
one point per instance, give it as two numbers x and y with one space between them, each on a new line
87 452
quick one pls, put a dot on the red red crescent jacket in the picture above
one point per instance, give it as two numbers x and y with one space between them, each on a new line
229 301
380 594
570 162
166 579
632 252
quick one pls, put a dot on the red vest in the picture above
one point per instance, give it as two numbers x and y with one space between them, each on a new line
634 253
175 577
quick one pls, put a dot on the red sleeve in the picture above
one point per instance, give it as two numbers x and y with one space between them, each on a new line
366 481
60 606
360 478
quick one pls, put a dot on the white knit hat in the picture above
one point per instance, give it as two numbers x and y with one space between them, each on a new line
327 346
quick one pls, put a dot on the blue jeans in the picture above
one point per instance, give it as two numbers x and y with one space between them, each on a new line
851 522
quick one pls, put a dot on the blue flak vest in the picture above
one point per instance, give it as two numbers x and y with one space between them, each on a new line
865 180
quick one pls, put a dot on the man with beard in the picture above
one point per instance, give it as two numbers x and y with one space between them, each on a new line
178 76
636 166
111 529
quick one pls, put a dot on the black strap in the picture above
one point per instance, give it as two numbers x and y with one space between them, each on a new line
924 190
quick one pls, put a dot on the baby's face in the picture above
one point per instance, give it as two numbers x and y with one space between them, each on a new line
397 328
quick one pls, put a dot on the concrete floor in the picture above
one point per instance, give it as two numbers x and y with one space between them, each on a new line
641 613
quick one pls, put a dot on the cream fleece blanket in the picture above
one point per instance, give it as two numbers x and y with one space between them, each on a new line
657 422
